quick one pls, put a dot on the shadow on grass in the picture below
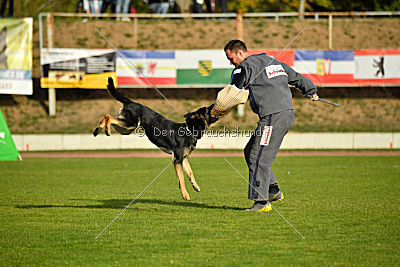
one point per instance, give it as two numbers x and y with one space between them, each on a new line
121 203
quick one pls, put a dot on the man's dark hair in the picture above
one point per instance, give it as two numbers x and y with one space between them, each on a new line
235 45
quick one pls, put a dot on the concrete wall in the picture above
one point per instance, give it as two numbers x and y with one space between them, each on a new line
293 140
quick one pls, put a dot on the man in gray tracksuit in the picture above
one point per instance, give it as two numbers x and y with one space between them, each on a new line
271 99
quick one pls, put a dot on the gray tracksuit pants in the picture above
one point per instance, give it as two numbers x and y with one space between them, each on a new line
261 151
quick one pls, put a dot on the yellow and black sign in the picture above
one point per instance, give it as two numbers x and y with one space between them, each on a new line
205 67
77 68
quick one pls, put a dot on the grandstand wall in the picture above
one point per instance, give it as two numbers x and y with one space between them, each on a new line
57 142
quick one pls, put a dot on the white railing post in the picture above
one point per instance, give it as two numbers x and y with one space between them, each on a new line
330 31
135 32
50 42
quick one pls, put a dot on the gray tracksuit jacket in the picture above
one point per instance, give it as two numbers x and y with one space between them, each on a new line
269 92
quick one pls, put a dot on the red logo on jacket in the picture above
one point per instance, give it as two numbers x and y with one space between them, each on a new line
275 70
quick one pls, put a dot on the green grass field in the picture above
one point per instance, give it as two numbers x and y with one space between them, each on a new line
51 210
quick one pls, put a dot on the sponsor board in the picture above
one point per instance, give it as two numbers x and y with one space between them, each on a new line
16 56
77 68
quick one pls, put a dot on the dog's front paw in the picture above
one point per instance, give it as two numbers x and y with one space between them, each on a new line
107 132
97 131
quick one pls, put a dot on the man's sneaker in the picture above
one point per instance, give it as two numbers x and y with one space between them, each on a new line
276 197
261 206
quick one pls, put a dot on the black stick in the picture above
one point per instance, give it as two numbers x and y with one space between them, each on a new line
328 102
324 101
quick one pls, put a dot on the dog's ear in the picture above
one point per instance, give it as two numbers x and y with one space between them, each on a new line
110 81
110 85
191 115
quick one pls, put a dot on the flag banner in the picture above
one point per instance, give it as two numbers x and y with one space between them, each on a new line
326 67
203 67
8 150
377 66
77 68
84 68
284 56
159 67
16 56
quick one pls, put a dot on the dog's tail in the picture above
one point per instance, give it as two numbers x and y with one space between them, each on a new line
117 95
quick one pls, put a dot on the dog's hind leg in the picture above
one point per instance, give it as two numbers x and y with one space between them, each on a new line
180 176
106 122
102 124
189 172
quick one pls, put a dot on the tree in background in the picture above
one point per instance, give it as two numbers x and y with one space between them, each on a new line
366 5
279 5
29 8
243 6
293 5
313 5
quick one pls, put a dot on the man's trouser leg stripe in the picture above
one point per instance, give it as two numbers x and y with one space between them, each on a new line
260 151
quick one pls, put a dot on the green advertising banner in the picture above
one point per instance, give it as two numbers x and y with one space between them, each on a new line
8 151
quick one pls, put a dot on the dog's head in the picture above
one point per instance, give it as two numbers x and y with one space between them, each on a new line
200 119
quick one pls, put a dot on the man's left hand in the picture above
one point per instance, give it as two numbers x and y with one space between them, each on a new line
315 97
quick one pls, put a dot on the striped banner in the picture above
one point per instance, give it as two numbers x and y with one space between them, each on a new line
326 67
159 67
203 67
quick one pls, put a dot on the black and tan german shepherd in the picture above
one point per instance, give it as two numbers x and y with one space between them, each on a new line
178 139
